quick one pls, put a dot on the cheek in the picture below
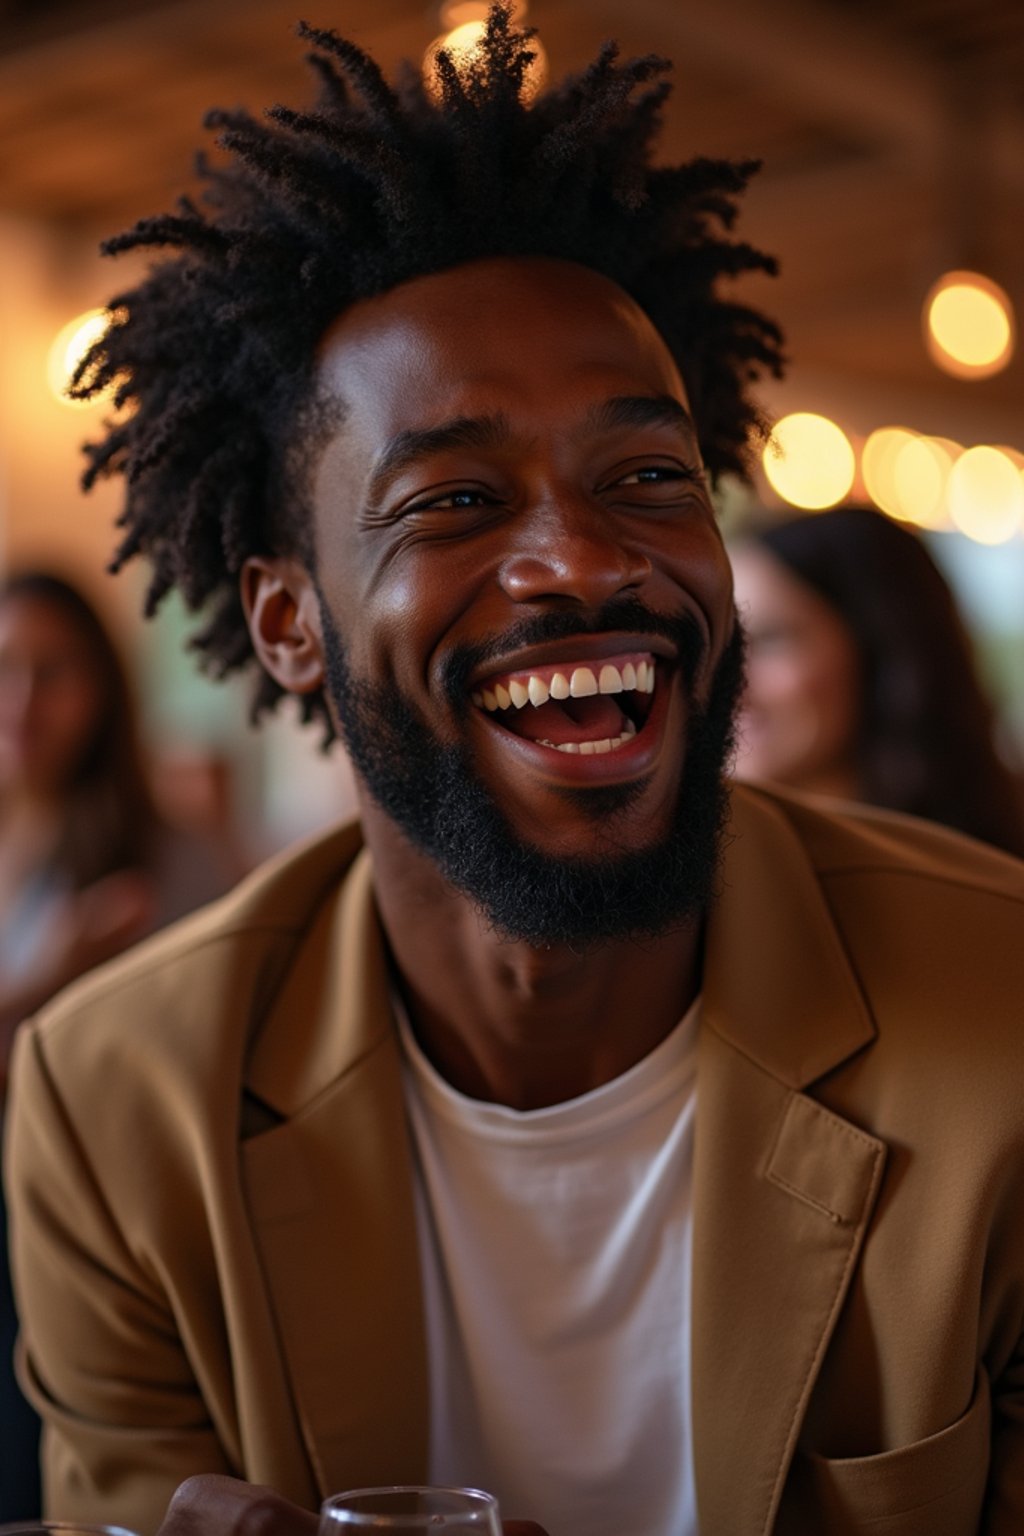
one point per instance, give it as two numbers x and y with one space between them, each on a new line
834 688
804 707
68 718
717 578
386 623
49 733
12 707
808 707
695 571
705 567
395 614
780 681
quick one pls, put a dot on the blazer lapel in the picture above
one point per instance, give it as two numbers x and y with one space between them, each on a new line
783 1188
329 1191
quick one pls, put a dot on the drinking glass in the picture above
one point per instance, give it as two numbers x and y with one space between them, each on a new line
411 1511
61 1528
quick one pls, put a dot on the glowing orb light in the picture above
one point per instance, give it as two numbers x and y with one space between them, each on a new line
68 348
809 461
986 495
969 325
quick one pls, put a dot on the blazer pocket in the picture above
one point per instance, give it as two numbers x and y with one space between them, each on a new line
934 1487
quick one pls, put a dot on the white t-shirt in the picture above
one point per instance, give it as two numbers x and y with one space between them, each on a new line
556 1250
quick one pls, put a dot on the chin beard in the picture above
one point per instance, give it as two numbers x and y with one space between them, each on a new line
431 792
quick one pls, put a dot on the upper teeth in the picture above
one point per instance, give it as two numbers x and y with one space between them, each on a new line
580 683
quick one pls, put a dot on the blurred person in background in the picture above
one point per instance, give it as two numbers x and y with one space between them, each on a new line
86 864
861 680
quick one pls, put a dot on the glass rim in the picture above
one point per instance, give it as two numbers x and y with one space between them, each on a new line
339 1508
73 1527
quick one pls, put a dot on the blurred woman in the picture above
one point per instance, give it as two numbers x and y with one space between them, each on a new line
861 679
86 866
77 828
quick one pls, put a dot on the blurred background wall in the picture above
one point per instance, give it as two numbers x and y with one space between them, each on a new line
892 134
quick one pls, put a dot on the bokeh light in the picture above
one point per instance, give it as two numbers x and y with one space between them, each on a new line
920 477
878 465
986 495
455 13
68 348
969 325
809 461
462 40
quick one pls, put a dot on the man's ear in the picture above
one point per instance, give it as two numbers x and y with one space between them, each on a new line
283 615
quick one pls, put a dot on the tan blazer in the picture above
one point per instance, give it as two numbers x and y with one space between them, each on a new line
212 1210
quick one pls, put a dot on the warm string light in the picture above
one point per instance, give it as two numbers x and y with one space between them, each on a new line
455 13
878 465
906 473
931 482
809 461
465 22
986 495
969 325
69 346
920 476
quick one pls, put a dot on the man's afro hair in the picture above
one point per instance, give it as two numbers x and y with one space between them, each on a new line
211 357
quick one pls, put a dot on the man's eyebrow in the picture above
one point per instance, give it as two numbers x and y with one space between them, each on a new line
642 411
493 431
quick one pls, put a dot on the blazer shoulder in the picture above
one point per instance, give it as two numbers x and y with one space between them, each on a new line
841 837
216 958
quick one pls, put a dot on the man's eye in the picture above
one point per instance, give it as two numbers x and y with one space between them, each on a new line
463 499
659 474
650 476
454 501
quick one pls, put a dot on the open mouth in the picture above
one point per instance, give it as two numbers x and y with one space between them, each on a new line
589 708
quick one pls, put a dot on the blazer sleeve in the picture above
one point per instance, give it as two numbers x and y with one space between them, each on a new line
99 1353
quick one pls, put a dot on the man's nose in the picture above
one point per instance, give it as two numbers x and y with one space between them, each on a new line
573 551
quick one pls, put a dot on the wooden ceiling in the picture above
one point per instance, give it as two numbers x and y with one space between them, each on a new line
892 133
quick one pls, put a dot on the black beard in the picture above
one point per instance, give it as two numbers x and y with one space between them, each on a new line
432 793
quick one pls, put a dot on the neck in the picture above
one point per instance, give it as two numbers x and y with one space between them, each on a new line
510 1022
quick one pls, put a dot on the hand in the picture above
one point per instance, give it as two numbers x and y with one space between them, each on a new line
211 1505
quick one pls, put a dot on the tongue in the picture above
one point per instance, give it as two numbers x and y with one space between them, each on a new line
598 718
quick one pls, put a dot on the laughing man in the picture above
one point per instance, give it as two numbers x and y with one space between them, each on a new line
648 1154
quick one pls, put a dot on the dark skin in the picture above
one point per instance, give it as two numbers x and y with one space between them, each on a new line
561 511
558 498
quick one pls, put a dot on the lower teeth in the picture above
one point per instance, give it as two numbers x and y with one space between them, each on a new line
592 748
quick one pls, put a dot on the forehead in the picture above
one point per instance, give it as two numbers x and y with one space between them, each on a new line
497 334
769 592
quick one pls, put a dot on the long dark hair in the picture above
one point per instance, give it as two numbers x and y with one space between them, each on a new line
926 726
108 820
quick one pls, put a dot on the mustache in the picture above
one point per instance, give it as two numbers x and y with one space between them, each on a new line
620 614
